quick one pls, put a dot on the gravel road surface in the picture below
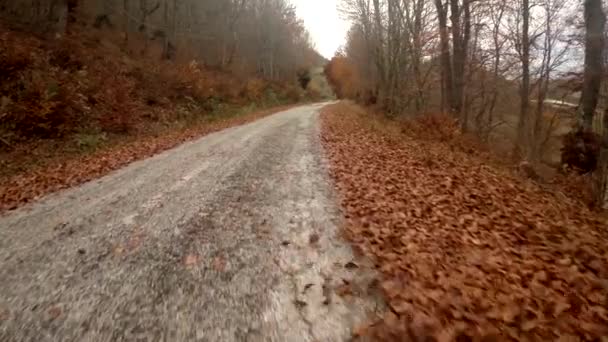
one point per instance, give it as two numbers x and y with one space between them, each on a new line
232 237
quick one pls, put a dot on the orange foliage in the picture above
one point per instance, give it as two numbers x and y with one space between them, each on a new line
53 88
344 78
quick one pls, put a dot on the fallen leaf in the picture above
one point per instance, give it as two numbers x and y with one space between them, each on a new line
460 240
219 264
54 312
191 260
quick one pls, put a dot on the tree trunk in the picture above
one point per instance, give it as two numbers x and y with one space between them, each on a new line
535 151
601 174
594 44
166 54
379 54
595 22
58 15
458 62
447 82
72 15
522 126
127 18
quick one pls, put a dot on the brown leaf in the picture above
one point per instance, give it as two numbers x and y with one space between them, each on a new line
560 307
401 307
190 260
361 330
219 264
344 290
54 312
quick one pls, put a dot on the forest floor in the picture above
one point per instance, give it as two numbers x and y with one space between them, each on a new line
467 249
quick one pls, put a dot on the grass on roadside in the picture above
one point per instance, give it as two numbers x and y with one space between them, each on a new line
34 173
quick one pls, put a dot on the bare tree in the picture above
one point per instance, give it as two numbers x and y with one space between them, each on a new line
552 55
523 46
594 44
595 24
447 82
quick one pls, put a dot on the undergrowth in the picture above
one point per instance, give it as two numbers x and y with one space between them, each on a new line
82 92
54 88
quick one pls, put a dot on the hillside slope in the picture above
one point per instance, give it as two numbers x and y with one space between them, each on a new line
468 250
83 103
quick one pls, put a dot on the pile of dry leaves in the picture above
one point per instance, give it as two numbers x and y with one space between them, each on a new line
31 184
466 251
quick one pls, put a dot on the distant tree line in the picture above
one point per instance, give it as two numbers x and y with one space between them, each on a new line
263 37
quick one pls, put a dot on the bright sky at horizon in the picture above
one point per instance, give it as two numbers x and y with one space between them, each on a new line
325 24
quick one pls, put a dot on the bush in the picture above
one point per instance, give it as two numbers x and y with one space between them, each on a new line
89 141
293 93
254 89
580 151
313 94
119 108
271 97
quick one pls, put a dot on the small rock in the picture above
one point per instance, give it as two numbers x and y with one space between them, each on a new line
60 226
314 238
351 265
54 312
299 303
285 243
307 286
81 251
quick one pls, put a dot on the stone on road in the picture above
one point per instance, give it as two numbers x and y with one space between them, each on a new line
232 237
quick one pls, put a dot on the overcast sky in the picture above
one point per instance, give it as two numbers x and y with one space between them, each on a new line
327 29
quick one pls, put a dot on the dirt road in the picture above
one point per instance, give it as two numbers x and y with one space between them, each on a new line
229 238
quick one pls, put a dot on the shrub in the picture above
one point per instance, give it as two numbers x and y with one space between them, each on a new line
118 106
254 89
313 94
293 93
580 151
89 141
